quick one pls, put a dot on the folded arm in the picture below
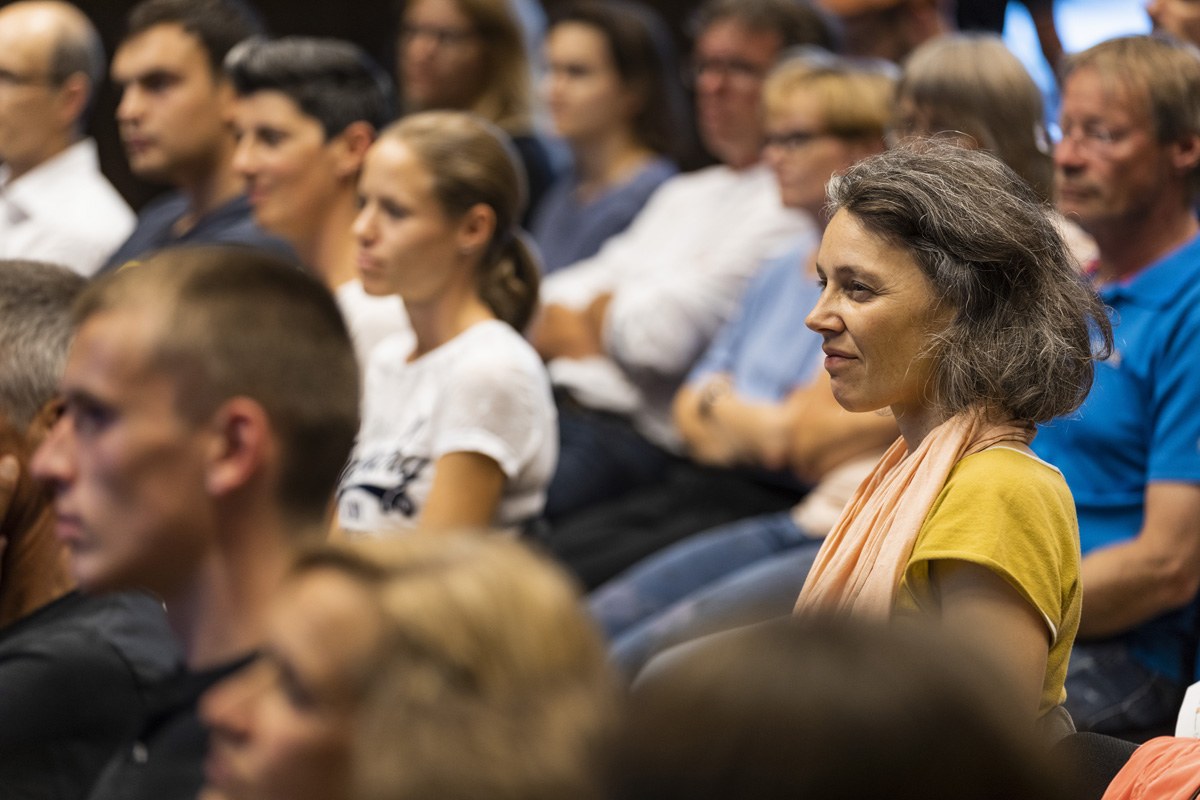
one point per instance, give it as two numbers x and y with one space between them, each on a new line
1157 571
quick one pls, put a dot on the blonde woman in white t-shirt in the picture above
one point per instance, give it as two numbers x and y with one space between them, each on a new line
458 427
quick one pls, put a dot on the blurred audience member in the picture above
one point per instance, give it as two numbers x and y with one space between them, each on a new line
78 670
972 89
307 110
54 203
1126 171
621 329
210 399
458 424
1178 18
174 120
612 96
429 666
989 16
471 55
840 710
889 29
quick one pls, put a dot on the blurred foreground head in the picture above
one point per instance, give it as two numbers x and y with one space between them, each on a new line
832 709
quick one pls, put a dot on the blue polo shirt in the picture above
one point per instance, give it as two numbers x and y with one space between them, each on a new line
1141 423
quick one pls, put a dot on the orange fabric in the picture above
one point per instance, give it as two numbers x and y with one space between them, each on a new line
1165 768
862 560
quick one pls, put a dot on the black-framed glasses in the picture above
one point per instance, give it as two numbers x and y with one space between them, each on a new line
732 69
440 35
790 141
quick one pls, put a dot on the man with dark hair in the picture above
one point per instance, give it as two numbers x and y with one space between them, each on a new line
173 118
210 401
55 205
77 670
307 110
620 330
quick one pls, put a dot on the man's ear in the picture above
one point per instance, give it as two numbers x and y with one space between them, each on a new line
242 444
1185 153
350 148
73 99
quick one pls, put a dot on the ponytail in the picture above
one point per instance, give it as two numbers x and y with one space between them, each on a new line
508 283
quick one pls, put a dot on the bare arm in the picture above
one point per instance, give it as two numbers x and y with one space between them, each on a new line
465 492
1157 571
562 332
982 609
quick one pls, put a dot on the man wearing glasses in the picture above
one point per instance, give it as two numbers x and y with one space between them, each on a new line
55 205
1126 169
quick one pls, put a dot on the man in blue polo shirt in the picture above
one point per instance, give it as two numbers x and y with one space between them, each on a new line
1126 171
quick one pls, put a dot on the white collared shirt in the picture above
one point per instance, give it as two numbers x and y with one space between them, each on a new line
63 211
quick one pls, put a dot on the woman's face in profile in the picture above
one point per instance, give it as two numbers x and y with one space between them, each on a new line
876 313
282 727
407 244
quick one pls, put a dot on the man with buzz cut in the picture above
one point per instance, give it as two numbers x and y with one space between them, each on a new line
55 205
1127 167
210 399
174 121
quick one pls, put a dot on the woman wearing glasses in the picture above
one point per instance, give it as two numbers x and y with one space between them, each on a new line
469 55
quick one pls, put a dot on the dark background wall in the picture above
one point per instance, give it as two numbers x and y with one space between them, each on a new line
368 22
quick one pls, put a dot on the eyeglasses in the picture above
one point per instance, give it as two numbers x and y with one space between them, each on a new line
791 141
1092 137
441 36
731 69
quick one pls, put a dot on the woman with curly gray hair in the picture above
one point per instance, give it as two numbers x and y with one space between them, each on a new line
949 298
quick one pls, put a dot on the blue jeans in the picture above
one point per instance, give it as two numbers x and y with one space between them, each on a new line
600 457
736 574
1109 691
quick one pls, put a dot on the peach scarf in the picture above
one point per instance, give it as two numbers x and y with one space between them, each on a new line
862 560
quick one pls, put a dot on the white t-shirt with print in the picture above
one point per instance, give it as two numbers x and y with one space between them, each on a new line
484 391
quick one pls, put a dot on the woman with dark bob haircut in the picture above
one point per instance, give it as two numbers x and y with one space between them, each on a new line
949 298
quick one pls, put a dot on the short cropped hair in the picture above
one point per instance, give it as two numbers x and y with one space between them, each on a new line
218 24
972 83
1165 71
854 95
1026 328
797 22
641 50
489 679
331 80
241 322
79 50
35 331
1161 71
